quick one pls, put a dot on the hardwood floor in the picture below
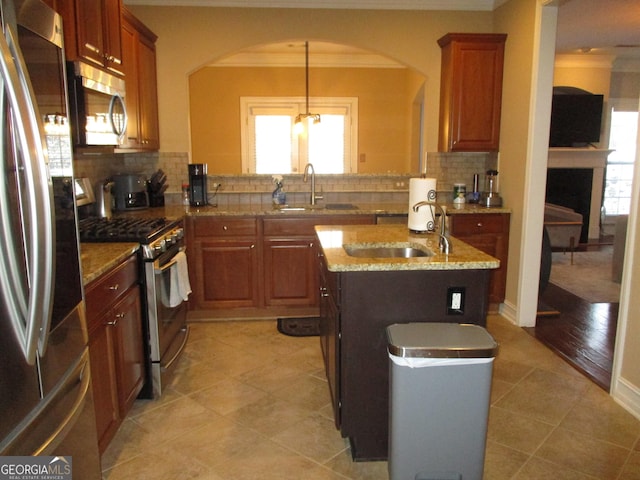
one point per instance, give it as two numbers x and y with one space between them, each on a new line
582 333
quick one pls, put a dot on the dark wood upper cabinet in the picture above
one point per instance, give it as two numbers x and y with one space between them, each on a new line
471 92
92 32
139 67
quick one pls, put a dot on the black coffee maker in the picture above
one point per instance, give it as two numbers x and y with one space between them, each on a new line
198 184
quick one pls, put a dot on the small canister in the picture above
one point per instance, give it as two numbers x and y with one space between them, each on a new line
459 192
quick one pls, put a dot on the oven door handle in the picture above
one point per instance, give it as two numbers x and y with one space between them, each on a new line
158 270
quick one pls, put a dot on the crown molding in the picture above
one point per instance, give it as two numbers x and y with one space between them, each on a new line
471 5
584 61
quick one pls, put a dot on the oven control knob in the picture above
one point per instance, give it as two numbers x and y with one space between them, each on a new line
180 233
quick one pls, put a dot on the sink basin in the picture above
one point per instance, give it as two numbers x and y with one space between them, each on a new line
387 251
306 207
299 208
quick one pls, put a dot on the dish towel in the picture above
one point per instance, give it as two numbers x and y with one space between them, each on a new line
179 286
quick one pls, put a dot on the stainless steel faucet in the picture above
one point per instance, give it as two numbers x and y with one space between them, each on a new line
314 197
444 243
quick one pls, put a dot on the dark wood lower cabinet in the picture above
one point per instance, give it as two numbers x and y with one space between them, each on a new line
116 346
289 265
488 232
229 270
257 263
357 308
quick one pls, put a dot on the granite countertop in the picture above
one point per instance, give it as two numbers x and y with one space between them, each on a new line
333 238
98 258
323 209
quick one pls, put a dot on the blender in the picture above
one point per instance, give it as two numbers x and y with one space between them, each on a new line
490 197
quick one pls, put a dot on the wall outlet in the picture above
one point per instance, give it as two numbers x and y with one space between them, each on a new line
455 300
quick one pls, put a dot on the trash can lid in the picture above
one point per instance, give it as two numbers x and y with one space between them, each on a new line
440 340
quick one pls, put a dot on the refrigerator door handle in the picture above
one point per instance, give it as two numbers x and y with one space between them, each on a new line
30 311
82 372
29 434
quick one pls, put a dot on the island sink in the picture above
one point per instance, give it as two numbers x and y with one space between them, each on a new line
368 281
386 251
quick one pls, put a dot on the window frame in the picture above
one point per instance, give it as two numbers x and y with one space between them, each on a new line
252 106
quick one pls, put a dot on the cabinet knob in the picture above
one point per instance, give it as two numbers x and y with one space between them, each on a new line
114 287
225 228
480 225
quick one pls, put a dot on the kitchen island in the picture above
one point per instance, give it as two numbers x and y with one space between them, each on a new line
361 296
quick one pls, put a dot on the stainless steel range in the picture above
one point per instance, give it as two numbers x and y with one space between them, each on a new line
162 250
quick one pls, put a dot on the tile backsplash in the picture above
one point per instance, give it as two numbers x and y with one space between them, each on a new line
448 168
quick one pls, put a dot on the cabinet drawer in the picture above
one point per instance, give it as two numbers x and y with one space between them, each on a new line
102 293
473 224
225 227
303 225
290 226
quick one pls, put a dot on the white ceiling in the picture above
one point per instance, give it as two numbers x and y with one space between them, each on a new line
605 27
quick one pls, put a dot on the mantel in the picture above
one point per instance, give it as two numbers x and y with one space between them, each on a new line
578 157
591 158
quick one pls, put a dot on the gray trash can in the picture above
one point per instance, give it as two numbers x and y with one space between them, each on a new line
439 394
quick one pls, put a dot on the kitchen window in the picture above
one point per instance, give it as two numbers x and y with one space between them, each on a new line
271 145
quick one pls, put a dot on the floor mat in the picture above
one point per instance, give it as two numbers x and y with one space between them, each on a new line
299 327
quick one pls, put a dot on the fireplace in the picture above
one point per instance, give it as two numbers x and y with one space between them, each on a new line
575 179
571 188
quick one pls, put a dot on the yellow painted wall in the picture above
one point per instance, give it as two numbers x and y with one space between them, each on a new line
383 99
516 19
592 79
192 37
631 355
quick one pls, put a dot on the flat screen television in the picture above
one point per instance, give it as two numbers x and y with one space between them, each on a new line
576 117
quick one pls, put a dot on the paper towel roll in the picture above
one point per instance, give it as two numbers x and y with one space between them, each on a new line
421 189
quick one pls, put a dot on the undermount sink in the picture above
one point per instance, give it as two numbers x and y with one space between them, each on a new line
328 206
299 208
387 251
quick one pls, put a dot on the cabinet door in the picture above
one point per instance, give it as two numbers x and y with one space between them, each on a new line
490 234
290 272
229 273
147 78
90 36
103 379
92 31
112 10
471 92
330 343
129 66
126 322
139 66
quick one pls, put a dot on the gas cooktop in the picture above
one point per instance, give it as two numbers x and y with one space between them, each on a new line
123 229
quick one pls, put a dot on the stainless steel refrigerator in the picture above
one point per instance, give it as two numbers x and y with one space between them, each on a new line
46 403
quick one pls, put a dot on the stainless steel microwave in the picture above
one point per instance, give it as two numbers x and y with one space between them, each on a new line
97 107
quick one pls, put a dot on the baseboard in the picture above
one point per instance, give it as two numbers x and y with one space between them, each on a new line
508 311
627 395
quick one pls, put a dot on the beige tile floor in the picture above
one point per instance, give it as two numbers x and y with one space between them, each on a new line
250 403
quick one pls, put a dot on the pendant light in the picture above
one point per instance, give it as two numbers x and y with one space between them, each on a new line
301 116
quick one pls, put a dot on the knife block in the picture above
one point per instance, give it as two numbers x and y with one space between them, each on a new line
156 200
